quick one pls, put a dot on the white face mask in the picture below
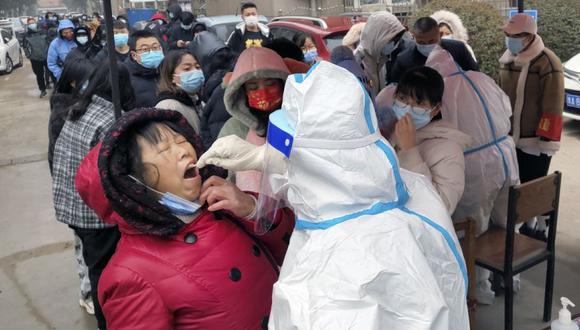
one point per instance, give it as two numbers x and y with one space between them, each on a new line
251 20
448 37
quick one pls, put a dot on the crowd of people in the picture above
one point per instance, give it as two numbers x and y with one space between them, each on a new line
251 184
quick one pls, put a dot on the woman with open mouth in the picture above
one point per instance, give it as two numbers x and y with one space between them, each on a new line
188 256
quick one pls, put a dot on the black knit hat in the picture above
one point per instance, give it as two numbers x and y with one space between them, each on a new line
138 206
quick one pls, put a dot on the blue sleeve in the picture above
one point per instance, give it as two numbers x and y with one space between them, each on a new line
52 60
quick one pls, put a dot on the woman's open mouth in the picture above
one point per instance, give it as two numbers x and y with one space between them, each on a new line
190 171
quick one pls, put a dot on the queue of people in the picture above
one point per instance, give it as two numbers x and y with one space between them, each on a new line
249 181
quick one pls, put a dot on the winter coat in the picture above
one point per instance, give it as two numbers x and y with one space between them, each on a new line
477 106
174 11
103 56
534 82
242 39
412 58
438 155
89 50
380 29
183 104
59 49
35 45
144 82
177 33
213 273
74 142
459 32
214 114
352 37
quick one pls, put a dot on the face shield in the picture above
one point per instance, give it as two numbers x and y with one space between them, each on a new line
274 184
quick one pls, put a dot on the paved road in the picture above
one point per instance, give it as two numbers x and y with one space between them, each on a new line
38 284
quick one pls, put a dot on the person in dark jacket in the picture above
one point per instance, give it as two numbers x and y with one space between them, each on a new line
181 34
159 25
178 267
143 63
68 90
174 14
35 46
216 60
343 56
285 48
249 33
427 36
121 38
85 44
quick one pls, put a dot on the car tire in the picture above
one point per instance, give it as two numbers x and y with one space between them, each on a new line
9 65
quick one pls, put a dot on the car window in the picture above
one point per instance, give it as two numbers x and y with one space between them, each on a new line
6 35
334 40
282 32
223 31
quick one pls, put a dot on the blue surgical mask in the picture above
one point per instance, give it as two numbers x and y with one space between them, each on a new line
152 59
186 27
514 45
426 49
191 81
82 40
121 39
311 55
33 26
175 204
389 48
178 205
421 116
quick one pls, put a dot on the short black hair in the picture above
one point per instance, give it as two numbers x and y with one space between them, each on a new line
300 39
425 24
246 5
285 48
140 35
422 84
119 24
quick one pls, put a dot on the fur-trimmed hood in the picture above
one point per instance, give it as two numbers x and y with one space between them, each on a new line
454 22
255 62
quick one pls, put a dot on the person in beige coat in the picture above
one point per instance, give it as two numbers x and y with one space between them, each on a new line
425 143
180 81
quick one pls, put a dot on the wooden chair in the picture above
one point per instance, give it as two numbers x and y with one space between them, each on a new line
506 253
465 230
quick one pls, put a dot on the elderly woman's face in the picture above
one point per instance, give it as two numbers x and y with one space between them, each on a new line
170 165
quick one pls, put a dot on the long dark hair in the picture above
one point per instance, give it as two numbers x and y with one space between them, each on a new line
100 85
75 70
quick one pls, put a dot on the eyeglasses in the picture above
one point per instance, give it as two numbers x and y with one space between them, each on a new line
146 49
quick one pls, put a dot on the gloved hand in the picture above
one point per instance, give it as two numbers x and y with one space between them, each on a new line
235 154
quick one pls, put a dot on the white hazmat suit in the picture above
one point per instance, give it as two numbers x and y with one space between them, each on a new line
373 246
477 106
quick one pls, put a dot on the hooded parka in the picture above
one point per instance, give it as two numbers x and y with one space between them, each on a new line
211 273
459 32
380 29
59 49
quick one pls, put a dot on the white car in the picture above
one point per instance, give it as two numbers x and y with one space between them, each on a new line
10 54
572 86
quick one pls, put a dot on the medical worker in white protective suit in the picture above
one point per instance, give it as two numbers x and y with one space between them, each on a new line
373 246
476 105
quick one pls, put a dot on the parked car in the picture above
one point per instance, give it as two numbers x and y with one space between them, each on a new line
572 87
224 25
15 25
10 54
326 34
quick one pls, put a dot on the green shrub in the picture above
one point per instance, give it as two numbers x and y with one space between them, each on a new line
482 21
559 25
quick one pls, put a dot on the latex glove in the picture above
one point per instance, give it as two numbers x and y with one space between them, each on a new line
235 154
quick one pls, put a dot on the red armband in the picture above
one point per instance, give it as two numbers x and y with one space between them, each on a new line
550 126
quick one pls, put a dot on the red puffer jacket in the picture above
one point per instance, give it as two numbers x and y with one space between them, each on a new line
212 275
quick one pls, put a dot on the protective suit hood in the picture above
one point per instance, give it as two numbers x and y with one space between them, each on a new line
380 29
442 61
458 31
255 62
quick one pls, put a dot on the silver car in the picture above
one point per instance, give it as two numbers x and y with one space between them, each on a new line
10 54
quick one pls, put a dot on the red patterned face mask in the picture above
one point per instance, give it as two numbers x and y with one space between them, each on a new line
266 99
